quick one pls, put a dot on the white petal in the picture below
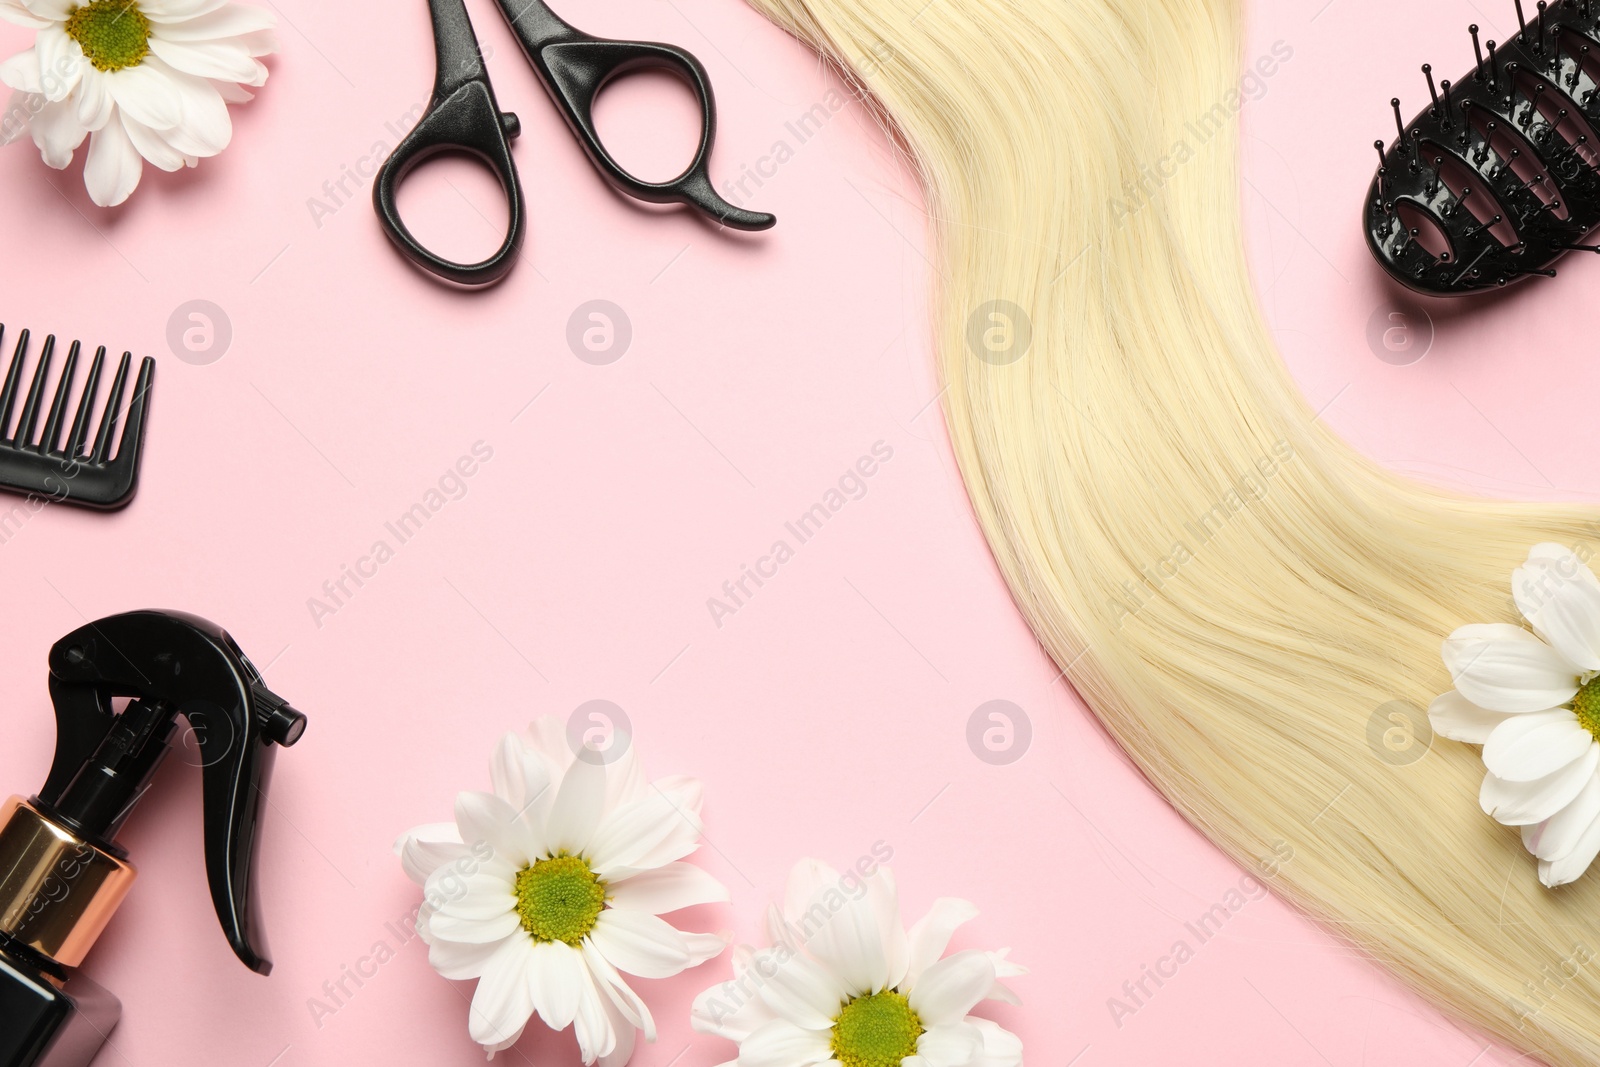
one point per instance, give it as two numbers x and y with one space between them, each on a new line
1536 744
625 781
50 10
1560 596
808 880
547 736
457 961
732 1009
476 931
783 1044
147 94
1502 667
702 947
618 991
20 109
554 982
114 166
260 43
151 146
843 933
1454 716
21 71
222 61
1559 834
631 831
640 944
665 889
206 128
931 935
486 894
779 930
478 870
1571 866
507 774
1522 803
231 93
521 778
884 896
232 20
485 817
686 797
424 923
1001 1048
501 1005
94 101
626 1037
61 63
950 1045
1004 968
163 11
58 134
422 849
14 12
647 834
800 990
576 812
592 1025
504 1043
949 989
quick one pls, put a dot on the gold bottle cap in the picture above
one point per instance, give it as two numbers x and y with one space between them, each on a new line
57 891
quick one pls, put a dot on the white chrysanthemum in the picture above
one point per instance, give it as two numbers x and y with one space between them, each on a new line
1532 700
844 984
142 79
551 888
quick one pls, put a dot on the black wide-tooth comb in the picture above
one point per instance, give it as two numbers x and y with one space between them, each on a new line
38 465
1511 147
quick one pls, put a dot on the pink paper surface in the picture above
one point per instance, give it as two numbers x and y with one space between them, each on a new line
830 712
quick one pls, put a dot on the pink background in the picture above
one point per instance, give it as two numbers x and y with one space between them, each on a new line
830 712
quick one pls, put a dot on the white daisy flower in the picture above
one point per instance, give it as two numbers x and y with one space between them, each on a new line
143 80
551 888
1532 700
844 984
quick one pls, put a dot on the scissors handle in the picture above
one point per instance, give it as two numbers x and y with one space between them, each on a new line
463 117
574 67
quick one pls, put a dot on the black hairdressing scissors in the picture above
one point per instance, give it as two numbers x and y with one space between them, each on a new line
464 116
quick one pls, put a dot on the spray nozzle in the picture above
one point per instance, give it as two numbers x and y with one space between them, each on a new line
168 664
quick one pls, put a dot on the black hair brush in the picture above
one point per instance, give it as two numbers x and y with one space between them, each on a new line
1496 179
78 472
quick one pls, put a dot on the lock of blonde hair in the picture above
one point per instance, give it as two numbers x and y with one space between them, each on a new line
1233 591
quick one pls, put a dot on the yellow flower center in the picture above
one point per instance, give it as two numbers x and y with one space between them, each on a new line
114 34
879 1030
559 899
1587 706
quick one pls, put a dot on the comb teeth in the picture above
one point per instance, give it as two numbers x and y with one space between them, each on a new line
1519 125
34 460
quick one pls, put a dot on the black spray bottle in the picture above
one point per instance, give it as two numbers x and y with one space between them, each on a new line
62 873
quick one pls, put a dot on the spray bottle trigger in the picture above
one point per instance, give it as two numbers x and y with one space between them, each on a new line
172 664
